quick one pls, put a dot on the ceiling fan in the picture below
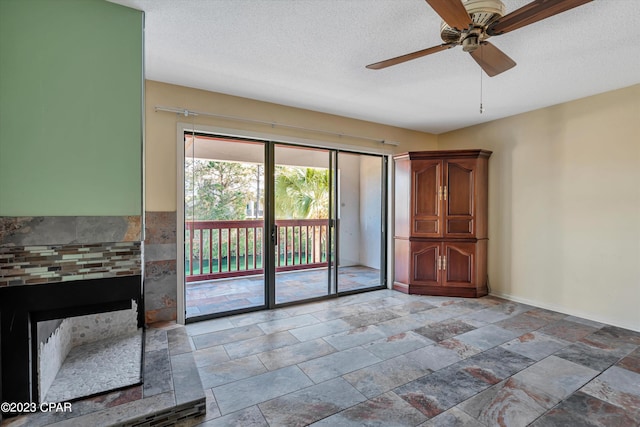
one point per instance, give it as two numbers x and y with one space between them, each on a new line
470 23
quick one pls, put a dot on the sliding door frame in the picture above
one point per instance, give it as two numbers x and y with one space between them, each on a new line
270 140
386 264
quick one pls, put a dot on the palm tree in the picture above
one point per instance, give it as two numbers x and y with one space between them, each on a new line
301 193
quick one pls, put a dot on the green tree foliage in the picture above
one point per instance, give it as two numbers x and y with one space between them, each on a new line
217 190
301 193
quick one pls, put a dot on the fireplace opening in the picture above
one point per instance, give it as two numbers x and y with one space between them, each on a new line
76 330
89 354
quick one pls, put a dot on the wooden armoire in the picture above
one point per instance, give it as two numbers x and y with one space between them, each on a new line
441 222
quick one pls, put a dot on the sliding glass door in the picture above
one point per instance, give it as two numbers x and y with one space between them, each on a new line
303 191
269 224
361 254
224 225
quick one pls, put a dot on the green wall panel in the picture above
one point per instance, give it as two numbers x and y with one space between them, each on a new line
71 87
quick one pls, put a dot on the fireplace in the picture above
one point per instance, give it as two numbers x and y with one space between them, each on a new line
85 355
68 285
52 308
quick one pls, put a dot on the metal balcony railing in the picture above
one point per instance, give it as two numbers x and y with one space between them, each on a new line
223 249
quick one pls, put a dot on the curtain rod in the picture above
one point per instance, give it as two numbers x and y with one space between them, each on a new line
185 112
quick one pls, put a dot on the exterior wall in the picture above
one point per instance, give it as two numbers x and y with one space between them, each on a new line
349 209
564 205
370 202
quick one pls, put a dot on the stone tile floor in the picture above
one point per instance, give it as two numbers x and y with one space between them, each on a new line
384 358
380 358
217 296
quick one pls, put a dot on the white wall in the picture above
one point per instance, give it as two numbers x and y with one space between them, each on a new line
564 205
360 209
370 210
349 209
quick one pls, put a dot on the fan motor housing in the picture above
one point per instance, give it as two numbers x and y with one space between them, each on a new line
482 12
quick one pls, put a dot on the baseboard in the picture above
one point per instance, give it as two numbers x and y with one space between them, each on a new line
564 310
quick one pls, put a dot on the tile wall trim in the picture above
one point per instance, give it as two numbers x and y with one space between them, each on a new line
50 249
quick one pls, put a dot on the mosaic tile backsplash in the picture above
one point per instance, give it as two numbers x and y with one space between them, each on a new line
35 250
58 263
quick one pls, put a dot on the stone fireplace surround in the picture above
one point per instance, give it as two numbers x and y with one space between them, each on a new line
52 268
63 251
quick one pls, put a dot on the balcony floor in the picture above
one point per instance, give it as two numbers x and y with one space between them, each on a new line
216 296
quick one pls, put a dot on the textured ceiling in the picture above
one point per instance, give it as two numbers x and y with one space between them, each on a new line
312 54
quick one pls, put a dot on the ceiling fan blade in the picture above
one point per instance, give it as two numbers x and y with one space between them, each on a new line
410 56
535 11
492 60
452 12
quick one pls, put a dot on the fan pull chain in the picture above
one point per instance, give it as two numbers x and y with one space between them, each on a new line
481 106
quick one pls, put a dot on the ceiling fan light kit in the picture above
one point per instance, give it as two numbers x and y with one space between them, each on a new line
470 23
482 13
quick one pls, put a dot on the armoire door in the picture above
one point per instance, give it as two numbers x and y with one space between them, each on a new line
426 262
459 198
458 266
426 176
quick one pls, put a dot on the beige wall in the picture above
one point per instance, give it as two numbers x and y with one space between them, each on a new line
565 205
160 146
